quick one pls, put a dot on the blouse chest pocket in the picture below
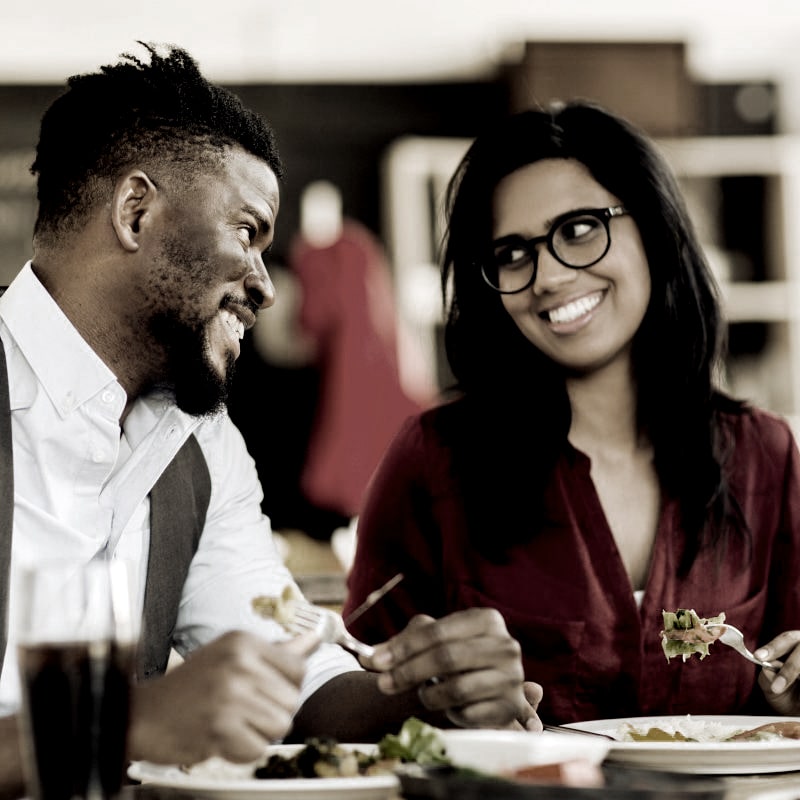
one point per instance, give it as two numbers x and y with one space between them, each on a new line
725 681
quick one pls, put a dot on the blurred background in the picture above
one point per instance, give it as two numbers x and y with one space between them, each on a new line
373 103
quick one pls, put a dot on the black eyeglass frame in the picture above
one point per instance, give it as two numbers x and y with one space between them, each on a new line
602 214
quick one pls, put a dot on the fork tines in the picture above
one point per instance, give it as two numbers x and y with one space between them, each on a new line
328 625
306 617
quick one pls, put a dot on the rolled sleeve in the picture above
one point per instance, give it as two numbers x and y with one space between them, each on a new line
237 559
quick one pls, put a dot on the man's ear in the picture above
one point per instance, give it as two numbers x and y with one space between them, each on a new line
133 199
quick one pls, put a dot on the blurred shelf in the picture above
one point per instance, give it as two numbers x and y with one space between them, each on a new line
712 156
764 301
324 589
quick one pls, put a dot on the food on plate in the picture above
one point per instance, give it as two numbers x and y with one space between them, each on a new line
697 730
784 730
417 745
281 608
655 734
416 742
324 757
685 633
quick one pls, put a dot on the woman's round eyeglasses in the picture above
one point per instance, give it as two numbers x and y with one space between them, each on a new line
576 239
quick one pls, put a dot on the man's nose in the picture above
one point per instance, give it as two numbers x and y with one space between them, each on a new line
258 284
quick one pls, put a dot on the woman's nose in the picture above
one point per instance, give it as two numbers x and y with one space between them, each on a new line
551 274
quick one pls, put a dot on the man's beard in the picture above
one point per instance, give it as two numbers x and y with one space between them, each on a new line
197 387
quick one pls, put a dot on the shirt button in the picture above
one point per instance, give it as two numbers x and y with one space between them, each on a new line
171 432
68 402
108 396
97 457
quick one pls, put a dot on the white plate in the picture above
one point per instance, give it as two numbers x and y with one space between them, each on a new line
713 758
496 751
218 778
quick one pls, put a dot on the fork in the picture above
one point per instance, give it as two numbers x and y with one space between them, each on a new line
734 638
328 625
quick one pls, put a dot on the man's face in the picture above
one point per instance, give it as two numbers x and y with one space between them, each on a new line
207 279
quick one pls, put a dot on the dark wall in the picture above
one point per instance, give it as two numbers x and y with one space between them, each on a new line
340 133
21 108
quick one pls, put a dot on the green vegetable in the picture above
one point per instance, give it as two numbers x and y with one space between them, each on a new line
416 742
685 633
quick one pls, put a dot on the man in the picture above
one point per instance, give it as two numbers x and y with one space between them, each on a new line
158 194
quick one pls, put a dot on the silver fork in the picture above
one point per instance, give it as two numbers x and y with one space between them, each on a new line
328 625
734 638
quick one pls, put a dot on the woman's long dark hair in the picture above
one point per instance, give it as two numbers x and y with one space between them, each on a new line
514 418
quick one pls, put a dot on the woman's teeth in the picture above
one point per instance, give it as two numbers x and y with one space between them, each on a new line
572 311
234 323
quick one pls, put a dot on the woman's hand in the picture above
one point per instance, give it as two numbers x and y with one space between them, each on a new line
781 687
465 665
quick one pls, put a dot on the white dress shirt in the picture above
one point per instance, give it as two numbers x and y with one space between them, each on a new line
81 485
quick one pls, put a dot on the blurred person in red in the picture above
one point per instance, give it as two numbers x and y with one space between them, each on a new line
347 309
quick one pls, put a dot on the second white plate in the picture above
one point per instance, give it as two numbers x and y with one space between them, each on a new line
710 758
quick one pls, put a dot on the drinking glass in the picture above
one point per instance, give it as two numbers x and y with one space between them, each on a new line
76 651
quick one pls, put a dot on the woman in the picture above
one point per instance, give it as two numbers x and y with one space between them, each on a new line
589 473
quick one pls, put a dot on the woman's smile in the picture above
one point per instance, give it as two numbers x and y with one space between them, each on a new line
573 310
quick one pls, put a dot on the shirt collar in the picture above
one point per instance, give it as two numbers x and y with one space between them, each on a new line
63 362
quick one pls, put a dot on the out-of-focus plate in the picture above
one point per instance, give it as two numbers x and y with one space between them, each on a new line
620 782
496 751
711 758
221 779
480 757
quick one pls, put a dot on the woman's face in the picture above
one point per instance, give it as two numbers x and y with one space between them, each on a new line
583 319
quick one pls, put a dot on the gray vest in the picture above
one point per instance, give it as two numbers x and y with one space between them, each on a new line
178 506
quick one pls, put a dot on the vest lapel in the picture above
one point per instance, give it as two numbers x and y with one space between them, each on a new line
178 505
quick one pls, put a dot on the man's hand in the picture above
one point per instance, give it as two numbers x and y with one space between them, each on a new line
528 720
230 698
465 665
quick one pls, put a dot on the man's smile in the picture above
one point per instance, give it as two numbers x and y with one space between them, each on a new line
233 322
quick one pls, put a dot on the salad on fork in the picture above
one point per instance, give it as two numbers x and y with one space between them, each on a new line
685 633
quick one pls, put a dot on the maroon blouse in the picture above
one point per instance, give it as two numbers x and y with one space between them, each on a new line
565 594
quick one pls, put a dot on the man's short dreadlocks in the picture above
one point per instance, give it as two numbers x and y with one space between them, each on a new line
162 115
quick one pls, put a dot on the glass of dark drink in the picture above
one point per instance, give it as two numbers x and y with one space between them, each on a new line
76 651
